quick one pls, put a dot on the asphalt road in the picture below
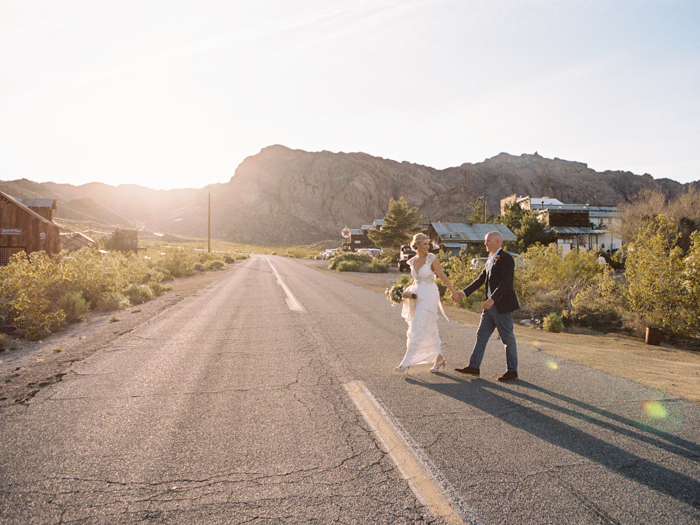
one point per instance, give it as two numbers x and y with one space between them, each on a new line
235 406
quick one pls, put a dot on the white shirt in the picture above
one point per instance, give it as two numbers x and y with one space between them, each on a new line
489 265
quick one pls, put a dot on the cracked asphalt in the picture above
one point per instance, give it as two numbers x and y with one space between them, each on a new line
228 407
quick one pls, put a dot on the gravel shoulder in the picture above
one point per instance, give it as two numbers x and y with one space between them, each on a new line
667 368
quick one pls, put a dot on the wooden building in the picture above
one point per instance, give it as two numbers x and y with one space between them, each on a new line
77 240
24 230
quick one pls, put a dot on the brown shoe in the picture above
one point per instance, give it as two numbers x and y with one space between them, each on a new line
508 376
468 370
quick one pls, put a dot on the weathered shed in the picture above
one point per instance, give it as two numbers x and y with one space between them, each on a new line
452 237
24 230
76 241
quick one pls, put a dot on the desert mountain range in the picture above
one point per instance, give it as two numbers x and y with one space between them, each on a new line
282 195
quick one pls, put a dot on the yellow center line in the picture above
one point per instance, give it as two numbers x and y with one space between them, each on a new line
419 480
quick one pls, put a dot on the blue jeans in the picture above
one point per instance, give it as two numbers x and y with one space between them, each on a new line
491 320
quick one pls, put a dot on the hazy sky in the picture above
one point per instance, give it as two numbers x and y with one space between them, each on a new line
175 93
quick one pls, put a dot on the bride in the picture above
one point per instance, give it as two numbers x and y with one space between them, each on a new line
421 313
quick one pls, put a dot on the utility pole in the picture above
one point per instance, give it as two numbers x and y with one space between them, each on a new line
209 226
484 198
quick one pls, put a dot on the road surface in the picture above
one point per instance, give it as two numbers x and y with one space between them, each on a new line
270 397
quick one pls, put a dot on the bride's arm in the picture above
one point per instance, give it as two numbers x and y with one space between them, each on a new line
441 274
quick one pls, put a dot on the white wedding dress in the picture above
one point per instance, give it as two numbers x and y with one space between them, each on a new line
421 314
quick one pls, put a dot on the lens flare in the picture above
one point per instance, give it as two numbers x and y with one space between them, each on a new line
655 410
552 365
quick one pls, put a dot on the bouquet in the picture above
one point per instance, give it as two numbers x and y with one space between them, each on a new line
395 294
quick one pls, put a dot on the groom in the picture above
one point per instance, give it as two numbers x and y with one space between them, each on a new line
498 309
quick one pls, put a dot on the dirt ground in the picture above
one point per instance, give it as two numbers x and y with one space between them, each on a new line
664 367
24 371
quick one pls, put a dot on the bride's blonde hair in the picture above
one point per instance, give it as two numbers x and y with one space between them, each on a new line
418 237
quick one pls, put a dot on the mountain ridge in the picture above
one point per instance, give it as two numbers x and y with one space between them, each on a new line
283 195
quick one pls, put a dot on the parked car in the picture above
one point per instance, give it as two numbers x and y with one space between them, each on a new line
329 253
374 252
405 253
477 262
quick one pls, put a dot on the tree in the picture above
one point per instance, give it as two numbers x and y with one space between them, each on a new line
655 273
527 229
401 223
477 215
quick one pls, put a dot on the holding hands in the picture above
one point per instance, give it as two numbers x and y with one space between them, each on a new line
457 296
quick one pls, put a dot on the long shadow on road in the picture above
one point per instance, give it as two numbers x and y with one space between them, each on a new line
493 399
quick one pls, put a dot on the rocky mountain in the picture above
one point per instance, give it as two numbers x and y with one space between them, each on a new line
282 195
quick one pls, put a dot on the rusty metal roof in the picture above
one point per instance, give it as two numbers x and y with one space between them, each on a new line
461 233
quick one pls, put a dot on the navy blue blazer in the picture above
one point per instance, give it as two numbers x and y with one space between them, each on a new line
501 283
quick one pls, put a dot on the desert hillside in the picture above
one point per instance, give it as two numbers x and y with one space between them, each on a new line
282 195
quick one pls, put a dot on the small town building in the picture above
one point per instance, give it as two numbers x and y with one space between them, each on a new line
577 226
77 240
529 203
452 237
22 229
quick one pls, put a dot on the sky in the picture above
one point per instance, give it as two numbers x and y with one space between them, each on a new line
177 93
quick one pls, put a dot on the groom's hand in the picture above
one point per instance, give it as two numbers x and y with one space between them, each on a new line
488 304
457 296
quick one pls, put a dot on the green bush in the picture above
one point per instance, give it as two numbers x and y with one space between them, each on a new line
7 343
74 306
349 266
199 267
112 301
553 323
375 267
357 259
216 265
139 293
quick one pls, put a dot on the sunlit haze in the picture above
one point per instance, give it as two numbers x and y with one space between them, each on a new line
175 94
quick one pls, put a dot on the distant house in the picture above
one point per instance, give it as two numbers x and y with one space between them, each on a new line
452 237
23 229
577 226
124 240
359 237
529 203
77 240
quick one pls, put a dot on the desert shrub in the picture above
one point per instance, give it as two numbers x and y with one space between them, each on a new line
599 305
112 301
349 266
442 287
404 279
549 281
661 280
7 343
29 291
553 323
159 288
199 267
459 271
178 262
216 265
375 267
357 259
139 293
74 306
